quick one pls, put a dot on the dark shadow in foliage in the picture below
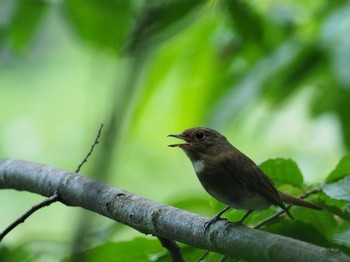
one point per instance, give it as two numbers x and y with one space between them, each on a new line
26 19
299 230
104 24
157 22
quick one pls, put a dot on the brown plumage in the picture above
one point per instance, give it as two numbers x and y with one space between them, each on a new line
230 176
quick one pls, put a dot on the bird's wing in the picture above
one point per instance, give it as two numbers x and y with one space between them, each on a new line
250 175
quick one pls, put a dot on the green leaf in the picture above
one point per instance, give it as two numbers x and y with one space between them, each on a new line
343 238
103 23
139 249
323 221
339 190
340 171
337 207
283 171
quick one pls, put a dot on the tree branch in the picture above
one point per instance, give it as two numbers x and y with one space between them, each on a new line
157 219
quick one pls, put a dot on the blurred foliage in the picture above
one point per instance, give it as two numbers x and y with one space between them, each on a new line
103 23
148 68
136 250
15 254
341 170
25 20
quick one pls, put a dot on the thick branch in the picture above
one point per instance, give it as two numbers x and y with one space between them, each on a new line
161 220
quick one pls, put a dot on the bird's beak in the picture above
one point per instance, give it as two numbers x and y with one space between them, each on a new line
179 136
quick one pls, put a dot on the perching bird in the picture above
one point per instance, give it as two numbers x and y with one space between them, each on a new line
230 176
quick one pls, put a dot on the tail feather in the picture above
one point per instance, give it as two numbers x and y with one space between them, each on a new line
297 201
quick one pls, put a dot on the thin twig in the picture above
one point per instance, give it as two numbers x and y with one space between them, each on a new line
173 249
22 218
91 150
203 256
54 198
223 258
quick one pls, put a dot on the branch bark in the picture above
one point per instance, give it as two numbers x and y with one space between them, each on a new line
164 221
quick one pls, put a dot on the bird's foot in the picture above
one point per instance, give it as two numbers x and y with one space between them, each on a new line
216 218
211 221
232 224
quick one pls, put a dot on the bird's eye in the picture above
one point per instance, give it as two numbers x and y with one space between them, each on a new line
200 135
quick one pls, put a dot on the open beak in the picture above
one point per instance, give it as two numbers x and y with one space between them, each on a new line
179 136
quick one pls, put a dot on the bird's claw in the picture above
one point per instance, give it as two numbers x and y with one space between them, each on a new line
232 224
228 224
211 221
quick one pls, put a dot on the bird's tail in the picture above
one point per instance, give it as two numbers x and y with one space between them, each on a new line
297 201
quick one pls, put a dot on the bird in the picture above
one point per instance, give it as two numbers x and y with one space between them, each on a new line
230 176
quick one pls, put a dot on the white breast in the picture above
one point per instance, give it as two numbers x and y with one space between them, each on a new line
198 166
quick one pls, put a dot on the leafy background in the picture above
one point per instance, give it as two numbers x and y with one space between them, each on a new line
272 76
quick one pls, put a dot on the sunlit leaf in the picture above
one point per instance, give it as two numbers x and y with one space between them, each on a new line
340 171
283 171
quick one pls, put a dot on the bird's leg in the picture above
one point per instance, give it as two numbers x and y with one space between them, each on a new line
216 218
240 222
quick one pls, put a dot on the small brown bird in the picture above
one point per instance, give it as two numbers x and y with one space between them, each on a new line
230 176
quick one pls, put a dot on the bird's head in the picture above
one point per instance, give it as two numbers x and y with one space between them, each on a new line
200 141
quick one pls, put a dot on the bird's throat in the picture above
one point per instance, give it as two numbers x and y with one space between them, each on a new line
198 166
